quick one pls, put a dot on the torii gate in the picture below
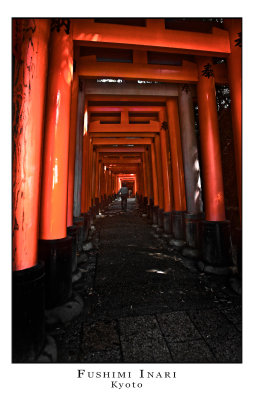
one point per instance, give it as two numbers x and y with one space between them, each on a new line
44 172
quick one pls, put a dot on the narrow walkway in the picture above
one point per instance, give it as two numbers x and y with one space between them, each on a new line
143 306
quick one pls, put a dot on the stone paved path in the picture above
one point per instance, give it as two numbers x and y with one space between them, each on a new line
142 305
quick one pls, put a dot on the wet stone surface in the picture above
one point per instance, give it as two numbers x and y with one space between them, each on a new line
142 304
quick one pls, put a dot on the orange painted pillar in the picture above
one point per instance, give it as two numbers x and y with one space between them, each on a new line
80 131
29 86
154 175
96 183
90 173
56 144
55 247
145 183
215 231
72 149
96 191
110 183
168 201
106 182
30 51
141 180
176 155
144 174
84 184
178 223
102 184
210 143
234 64
160 180
148 176
93 176
99 178
167 195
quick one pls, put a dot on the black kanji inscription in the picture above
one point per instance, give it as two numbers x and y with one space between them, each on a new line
207 71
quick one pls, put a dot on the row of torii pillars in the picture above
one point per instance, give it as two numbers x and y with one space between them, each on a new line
44 174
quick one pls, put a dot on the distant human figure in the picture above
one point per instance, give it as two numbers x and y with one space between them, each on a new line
124 194
130 192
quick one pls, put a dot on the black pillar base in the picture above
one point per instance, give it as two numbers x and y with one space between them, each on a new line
190 252
105 201
150 210
87 225
97 205
216 244
155 215
192 229
160 217
93 211
28 306
145 205
57 256
72 232
178 225
102 203
90 213
167 222
79 223
140 201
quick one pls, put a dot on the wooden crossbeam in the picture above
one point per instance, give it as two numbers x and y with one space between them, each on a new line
154 36
121 141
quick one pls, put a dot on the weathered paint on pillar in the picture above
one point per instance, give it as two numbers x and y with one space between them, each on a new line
154 176
190 151
159 171
210 143
56 142
79 150
72 148
29 86
234 64
176 155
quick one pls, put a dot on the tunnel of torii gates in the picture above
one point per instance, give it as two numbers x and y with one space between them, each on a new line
76 139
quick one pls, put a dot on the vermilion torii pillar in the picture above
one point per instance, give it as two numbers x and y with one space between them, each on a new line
72 148
97 186
160 179
167 195
234 63
30 49
79 152
216 243
72 229
179 210
55 247
144 175
85 202
155 186
191 170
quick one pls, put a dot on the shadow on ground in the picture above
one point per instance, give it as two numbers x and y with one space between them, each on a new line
142 305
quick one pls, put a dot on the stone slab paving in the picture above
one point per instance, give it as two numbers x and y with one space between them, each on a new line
143 306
